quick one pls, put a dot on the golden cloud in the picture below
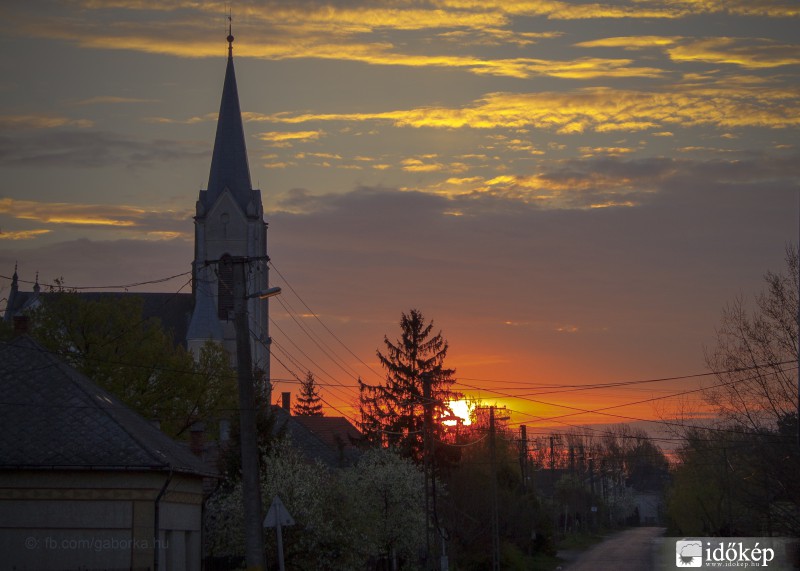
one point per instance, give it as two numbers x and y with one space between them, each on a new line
753 53
287 138
190 121
298 37
748 53
496 37
562 185
21 234
117 216
40 122
64 213
631 42
111 100
665 9
597 109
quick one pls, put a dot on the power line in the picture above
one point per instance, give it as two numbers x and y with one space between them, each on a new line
664 422
59 286
316 339
313 313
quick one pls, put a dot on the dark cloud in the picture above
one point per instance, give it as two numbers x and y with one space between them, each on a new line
99 263
92 149
646 281
630 291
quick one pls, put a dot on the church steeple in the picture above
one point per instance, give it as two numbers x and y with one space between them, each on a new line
229 224
229 167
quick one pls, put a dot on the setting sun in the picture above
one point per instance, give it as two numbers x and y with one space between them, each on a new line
461 409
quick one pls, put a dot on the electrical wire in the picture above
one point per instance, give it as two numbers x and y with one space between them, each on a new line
59 286
312 312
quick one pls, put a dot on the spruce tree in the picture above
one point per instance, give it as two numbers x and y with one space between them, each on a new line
309 400
392 414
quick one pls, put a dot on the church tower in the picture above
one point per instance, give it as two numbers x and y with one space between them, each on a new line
229 227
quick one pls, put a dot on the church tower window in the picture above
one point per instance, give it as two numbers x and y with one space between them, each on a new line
225 287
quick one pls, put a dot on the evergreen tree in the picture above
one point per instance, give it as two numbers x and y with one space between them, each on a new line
309 401
393 414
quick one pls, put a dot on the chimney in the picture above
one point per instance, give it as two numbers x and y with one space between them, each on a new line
22 324
286 402
196 438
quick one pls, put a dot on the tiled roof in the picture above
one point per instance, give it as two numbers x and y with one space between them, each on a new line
320 438
335 431
53 417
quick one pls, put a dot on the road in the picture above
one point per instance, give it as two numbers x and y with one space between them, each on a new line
631 550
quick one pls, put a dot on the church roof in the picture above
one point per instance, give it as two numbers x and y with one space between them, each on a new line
229 167
53 417
172 309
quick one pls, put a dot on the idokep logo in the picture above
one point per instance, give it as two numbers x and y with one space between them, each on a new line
689 553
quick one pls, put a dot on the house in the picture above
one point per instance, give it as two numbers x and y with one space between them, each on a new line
85 482
333 440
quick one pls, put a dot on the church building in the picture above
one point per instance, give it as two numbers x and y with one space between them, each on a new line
230 241
230 236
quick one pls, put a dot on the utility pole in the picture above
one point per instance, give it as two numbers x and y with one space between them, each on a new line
428 454
591 479
495 520
251 490
523 456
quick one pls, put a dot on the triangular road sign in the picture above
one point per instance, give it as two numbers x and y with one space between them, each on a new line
277 514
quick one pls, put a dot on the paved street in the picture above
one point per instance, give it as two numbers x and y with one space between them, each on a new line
631 550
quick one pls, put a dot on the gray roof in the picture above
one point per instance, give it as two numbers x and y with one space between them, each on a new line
330 440
53 417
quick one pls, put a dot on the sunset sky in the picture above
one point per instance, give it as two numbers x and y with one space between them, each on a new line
572 191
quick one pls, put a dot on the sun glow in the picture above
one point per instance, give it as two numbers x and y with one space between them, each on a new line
461 409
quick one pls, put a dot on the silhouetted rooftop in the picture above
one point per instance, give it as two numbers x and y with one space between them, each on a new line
53 417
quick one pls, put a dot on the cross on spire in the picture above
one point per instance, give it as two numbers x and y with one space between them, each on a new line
230 36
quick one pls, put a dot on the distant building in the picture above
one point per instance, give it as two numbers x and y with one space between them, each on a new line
85 482
229 226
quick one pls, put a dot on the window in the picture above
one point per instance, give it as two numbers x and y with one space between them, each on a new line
225 287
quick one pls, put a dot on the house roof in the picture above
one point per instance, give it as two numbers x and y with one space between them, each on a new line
328 439
53 417
334 431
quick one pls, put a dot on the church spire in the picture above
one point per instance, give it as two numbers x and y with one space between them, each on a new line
229 167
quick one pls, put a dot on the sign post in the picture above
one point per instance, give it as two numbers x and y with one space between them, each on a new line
278 516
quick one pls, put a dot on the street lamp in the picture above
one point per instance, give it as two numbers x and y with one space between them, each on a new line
264 294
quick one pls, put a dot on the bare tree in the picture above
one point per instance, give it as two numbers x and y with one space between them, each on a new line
755 351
